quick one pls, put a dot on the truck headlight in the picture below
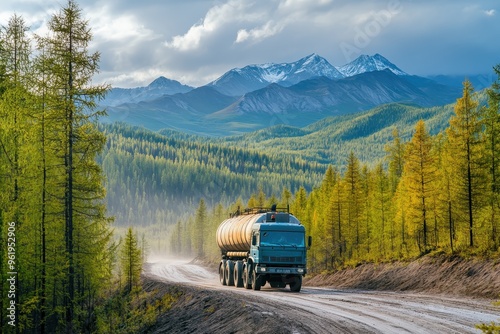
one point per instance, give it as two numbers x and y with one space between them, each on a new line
262 269
300 270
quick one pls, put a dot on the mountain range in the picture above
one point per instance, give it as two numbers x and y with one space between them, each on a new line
256 96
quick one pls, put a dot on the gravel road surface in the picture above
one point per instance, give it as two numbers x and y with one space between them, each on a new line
325 310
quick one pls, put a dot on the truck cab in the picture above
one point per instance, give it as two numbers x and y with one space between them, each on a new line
262 246
278 251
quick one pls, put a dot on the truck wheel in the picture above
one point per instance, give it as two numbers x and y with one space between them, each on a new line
238 274
256 281
296 284
246 279
222 276
229 272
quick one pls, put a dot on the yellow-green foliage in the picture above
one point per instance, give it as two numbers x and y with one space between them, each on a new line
492 327
133 313
435 193
51 185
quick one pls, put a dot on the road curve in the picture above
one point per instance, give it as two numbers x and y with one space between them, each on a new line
323 310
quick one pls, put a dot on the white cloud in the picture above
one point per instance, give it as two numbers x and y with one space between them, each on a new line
216 18
489 12
476 9
125 27
303 4
267 30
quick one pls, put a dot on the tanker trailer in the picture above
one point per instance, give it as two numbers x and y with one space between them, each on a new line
262 246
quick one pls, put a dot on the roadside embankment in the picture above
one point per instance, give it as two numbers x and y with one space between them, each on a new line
453 276
213 311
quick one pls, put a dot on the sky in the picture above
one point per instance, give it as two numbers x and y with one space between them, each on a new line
196 41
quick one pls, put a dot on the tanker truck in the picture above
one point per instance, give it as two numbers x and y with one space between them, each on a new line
261 246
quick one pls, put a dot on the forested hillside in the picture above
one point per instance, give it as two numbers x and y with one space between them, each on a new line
157 179
331 140
434 193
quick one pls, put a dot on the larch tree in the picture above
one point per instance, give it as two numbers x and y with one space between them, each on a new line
419 174
131 260
492 155
395 158
338 201
354 204
466 145
16 169
445 196
381 199
326 222
200 227
86 232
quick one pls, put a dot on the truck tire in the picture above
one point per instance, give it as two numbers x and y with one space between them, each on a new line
222 275
247 284
256 281
229 272
296 284
238 274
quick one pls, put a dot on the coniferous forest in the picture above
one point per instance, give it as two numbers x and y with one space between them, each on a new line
57 268
393 183
430 193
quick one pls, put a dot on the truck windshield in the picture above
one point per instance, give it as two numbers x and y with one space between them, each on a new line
275 238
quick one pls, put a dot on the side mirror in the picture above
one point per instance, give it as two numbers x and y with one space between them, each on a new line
254 239
309 242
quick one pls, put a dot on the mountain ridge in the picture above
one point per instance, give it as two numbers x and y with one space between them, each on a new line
256 96
366 63
238 81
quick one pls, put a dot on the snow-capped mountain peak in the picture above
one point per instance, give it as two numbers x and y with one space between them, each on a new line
366 63
239 81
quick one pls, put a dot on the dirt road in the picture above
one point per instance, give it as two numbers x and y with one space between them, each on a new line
323 310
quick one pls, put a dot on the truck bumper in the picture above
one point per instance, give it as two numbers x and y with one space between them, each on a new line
281 270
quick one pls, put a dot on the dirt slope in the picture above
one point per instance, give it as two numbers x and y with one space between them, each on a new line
209 311
436 275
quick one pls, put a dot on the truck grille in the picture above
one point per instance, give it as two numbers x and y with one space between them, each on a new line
275 259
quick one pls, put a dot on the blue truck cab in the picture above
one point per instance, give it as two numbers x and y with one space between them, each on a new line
275 252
